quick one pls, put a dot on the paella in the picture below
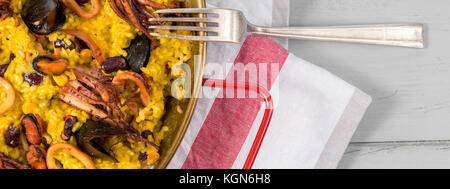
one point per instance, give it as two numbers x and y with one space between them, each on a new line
83 84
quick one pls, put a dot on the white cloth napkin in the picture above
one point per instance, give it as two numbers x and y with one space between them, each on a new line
315 115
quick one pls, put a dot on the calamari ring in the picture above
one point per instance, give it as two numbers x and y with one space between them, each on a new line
121 79
73 5
8 103
89 42
72 150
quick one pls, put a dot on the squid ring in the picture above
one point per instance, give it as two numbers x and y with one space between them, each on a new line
73 5
89 42
72 150
121 79
8 103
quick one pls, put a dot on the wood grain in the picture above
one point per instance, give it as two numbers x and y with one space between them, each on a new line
397 155
410 87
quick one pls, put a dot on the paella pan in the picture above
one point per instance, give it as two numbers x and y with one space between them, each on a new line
84 85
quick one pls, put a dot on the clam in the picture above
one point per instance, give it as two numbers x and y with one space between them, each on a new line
48 65
138 53
43 17
91 135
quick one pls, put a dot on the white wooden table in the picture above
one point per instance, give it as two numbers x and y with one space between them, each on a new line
408 123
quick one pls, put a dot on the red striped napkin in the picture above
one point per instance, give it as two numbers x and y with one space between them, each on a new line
314 117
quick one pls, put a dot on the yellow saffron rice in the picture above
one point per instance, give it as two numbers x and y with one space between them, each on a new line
112 35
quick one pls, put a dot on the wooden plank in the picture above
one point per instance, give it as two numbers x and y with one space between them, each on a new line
410 87
397 155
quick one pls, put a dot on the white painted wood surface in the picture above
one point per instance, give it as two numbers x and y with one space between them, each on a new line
410 87
397 155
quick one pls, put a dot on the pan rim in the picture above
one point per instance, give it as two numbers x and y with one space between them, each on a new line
198 78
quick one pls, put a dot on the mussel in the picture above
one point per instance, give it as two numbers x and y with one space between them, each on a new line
138 53
43 17
91 134
48 65
36 157
34 128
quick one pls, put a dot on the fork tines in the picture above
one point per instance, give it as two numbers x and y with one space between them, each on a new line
185 20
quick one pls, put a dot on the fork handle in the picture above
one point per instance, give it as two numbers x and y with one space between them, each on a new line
403 35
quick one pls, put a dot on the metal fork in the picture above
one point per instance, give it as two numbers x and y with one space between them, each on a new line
230 25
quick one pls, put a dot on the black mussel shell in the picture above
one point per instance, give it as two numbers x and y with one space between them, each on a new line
138 53
30 130
37 10
38 59
43 17
91 132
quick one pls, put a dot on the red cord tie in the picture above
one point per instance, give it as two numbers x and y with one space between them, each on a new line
267 113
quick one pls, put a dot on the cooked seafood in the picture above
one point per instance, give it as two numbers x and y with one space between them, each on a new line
89 41
72 150
101 98
74 6
50 65
93 130
83 84
36 157
4 9
9 163
138 53
34 128
43 17
120 80
8 102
